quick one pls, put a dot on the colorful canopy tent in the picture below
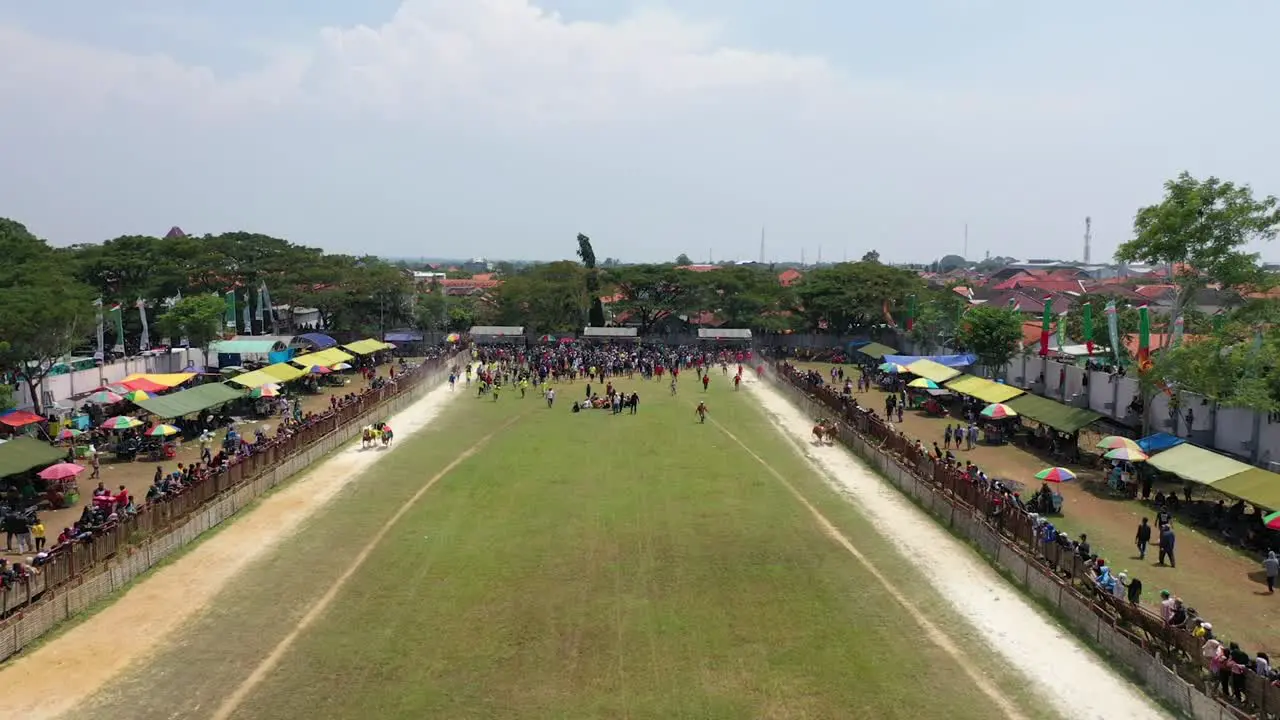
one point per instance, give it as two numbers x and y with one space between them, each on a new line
931 370
1197 465
283 372
186 402
366 347
1052 413
983 389
313 341
20 418
143 385
325 358
951 361
1258 487
1158 442
164 380
875 350
255 379
22 454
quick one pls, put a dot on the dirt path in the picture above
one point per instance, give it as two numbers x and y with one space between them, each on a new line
38 686
1078 683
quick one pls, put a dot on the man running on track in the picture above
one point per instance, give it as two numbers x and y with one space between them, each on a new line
702 412
551 396
706 378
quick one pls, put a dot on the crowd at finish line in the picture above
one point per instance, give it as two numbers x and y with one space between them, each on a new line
498 369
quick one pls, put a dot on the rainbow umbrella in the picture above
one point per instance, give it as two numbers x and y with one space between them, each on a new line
1113 442
266 391
1272 520
546 338
998 411
68 434
163 430
319 370
121 422
60 471
1055 475
1125 453
136 395
452 337
104 397
925 383
893 368
341 366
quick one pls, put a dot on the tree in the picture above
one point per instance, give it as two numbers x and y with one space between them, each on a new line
650 292
937 318
854 296
45 313
951 262
547 298
872 256
1126 321
595 317
1202 229
991 333
198 318
683 259
744 297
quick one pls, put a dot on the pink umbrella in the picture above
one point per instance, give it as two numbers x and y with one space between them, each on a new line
61 471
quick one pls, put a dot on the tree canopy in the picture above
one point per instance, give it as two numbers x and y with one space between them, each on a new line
991 333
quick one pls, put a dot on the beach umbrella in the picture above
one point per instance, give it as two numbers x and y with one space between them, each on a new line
893 368
319 370
1112 442
925 383
121 422
566 341
1128 454
998 411
266 391
1272 520
452 337
1055 475
68 434
104 397
134 396
162 430
341 366
546 338
61 471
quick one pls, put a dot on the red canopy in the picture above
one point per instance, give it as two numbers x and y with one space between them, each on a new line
18 418
144 385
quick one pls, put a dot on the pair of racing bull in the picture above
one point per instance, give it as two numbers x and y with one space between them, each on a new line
824 432
375 433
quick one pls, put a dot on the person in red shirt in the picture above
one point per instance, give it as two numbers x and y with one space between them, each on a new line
706 379
737 381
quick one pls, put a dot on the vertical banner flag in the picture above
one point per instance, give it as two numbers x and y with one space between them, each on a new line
266 304
1178 326
97 304
1144 339
1219 320
1088 327
1046 326
911 313
259 315
1062 332
230 296
247 314
117 317
1113 330
145 342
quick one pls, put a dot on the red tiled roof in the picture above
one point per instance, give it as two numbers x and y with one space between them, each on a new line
1031 332
1158 341
1151 292
789 277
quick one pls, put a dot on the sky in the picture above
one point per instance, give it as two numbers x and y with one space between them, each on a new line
503 128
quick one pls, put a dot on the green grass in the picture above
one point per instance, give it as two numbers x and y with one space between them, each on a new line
580 566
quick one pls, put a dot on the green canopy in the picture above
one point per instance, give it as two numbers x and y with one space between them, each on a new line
875 350
186 402
1197 464
1258 487
1062 418
24 453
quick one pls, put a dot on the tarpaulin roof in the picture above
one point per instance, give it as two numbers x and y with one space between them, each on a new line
327 358
365 347
1258 487
983 389
19 418
951 361
404 337
186 402
931 370
282 372
22 454
144 385
255 379
1152 444
166 380
875 350
247 347
1197 464
1062 418
319 340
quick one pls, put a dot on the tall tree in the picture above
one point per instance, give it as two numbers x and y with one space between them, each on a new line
198 318
854 296
871 256
546 298
650 292
683 259
1202 228
991 333
595 317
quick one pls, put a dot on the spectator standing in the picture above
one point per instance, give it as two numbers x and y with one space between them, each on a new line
1143 538
1272 566
1166 546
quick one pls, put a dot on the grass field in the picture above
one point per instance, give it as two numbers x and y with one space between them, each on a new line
575 566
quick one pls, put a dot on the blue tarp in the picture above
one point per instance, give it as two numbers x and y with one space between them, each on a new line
951 361
280 356
404 337
319 341
1160 441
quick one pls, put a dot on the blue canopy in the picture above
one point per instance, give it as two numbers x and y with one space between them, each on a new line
1160 441
403 337
951 361
319 341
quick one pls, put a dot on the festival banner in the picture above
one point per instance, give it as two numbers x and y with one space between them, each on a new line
97 304
1113 331
1178 325
145 342
117 318
230 297
1088 327
1219 321
1144 339
247 314
1046 326
1062 332
270 311
911 312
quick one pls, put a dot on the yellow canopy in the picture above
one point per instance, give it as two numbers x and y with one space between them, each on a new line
284 372
931 370
327 358
983 389
255 379
367 347
166 379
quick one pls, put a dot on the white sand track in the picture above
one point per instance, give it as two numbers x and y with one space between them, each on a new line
71 668
1065 672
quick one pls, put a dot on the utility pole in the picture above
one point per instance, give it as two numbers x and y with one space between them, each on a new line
762 244
1088 237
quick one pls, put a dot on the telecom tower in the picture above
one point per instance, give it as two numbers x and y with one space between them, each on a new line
761 244
1088 237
